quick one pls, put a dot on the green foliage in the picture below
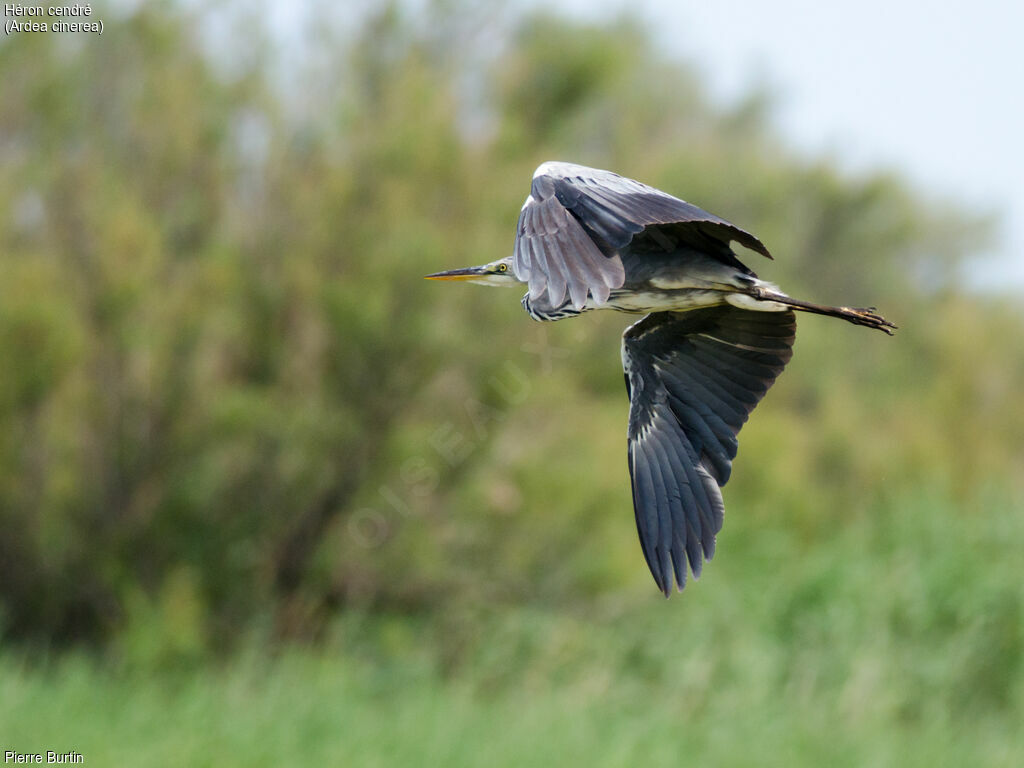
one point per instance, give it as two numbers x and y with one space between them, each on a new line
895 639
234 415
232 408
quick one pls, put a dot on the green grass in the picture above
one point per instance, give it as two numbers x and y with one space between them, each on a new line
895 639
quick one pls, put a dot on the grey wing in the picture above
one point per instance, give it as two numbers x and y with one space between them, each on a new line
553 253
576 218
693 378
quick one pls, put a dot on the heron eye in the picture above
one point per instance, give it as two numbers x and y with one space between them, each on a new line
503 267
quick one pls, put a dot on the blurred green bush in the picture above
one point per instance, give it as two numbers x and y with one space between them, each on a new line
231 405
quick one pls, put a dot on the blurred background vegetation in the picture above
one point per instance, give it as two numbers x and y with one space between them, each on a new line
258 478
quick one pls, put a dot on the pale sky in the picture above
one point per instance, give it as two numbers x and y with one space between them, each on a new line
935 90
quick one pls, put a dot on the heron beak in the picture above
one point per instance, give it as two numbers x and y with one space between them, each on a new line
466 273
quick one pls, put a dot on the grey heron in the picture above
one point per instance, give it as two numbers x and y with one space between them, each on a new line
713 339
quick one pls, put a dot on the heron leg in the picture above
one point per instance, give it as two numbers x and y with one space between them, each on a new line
865 316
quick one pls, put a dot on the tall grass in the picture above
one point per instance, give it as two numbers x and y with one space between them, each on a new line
894 640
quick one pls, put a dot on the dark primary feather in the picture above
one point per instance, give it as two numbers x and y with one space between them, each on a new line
577 218
693 378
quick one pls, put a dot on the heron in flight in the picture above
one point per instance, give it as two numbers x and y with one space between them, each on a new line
713 339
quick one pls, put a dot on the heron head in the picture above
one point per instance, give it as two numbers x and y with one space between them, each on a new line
498 272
